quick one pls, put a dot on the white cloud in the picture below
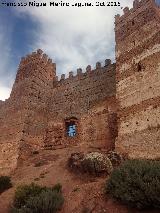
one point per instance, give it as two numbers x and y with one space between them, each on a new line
6 69
4 93
72 37
5 49
75 37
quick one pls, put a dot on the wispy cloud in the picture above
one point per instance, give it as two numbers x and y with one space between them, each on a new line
4 92
76 37
6 74
72 37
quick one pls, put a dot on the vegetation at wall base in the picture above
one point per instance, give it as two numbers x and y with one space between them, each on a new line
92 163
5 183
96 163
136 183
37 199
115 158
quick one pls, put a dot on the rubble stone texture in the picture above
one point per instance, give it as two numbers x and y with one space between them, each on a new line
116 101
138 80
39 108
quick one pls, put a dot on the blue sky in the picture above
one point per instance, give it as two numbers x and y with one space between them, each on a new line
16 39
73 38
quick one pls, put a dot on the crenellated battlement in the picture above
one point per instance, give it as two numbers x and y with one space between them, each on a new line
39 67
36 64
88 72
142 13
136 5
36 57
114 105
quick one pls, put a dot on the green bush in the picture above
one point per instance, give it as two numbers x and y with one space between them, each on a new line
5 183
115 158
36 199
21 210
57 187
24 192
48 201
96 163
136 183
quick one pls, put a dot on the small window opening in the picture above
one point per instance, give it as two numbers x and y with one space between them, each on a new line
71 128
139 67
133 23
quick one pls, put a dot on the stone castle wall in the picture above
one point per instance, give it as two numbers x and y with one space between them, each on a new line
138 80
22 116
113 102
34 117
75 97
11 126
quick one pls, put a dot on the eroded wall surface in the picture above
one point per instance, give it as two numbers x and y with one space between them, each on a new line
74 98
138 80
99 125
35 115
11 126
23 115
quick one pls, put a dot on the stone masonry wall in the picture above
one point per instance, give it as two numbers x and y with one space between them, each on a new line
35 115
115 101
11 127
74 98
99 125
22 116
75 95
138 80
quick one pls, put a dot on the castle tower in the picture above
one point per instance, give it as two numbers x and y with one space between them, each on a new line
35 79
35 73
23 115
138 79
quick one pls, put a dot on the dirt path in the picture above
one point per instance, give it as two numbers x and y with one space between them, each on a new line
82 194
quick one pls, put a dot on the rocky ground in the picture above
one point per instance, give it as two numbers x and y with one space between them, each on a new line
83 194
